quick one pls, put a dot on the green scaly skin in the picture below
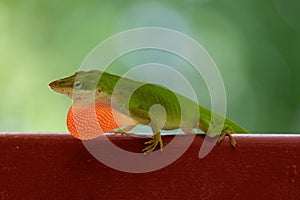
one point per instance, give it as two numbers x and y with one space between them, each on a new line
179 111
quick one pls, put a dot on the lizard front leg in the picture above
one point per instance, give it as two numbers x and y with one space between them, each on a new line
122 130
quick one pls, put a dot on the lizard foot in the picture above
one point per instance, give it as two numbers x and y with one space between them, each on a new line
152 144
232 140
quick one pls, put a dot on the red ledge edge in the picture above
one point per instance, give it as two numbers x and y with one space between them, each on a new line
57 166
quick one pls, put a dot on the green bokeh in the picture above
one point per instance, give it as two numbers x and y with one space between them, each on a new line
254 43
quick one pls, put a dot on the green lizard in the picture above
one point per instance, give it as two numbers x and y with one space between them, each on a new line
175 111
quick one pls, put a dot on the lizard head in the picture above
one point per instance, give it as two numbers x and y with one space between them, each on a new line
80 83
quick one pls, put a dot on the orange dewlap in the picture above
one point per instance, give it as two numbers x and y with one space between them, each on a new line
89 121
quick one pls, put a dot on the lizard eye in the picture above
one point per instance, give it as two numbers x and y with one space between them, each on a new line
78 85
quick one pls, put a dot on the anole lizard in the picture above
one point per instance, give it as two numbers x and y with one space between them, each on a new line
179 111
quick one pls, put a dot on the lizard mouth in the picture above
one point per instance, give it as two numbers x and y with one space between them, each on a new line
65 91
77 95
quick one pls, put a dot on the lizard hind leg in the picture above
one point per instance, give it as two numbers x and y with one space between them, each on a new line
158 117
227 131
153 143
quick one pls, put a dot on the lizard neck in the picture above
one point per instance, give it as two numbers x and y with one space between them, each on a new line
107 83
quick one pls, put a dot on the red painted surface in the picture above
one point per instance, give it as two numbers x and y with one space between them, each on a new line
59 167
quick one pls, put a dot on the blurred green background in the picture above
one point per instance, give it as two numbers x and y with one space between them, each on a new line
255 44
